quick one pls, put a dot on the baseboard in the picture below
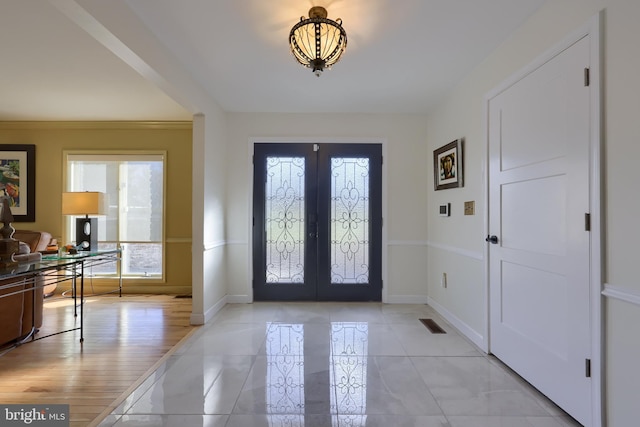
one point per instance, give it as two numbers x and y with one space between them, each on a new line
239 299
406 299
461 326
196 319
100 286
201 319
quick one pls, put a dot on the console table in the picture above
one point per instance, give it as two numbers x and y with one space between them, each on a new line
29 277
57 269
88 259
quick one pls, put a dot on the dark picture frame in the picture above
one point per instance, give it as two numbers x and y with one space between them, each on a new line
447 166
18 180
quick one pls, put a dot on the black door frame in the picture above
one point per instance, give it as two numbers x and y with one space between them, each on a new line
335 292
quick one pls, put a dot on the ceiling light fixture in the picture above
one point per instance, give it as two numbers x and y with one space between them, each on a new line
318 42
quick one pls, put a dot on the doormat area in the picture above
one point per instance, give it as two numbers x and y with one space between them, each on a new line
433 327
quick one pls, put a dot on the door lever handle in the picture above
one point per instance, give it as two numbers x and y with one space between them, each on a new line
492 239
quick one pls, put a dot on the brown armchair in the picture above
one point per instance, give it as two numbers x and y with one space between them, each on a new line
18 319
37 242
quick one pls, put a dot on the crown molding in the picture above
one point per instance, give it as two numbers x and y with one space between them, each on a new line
73 125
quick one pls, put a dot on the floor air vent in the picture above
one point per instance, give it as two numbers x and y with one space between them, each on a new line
433 327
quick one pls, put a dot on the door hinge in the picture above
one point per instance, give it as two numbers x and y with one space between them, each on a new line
586 77
587 368
587 222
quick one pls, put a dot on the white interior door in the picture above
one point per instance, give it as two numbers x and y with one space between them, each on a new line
538 197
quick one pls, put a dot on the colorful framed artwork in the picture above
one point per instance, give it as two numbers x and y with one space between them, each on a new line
17 180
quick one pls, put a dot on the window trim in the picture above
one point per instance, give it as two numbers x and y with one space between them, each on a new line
66 220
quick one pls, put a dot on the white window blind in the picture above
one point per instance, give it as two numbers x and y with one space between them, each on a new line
134 188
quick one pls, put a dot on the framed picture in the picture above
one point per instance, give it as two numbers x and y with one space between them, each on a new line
18 179
447 166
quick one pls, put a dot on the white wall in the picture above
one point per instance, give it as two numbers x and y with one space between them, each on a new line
208 248
459 240
406 166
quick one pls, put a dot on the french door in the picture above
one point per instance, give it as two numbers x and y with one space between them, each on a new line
317 222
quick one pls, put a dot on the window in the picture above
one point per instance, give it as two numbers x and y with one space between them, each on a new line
134 191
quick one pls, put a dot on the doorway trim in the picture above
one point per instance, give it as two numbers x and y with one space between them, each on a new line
319 140
593 29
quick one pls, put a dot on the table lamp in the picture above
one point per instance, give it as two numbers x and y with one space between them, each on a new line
84 203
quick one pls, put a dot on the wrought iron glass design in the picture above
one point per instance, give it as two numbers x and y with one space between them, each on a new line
285 374
350 220
348 373
285 394
284 219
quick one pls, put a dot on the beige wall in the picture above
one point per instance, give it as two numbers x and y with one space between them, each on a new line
52 138
459 240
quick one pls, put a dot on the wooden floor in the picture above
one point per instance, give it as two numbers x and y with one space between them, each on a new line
124 338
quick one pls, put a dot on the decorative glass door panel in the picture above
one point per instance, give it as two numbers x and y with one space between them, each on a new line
349 220
285 212
317 222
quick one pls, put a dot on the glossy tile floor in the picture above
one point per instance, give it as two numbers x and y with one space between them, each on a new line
332 365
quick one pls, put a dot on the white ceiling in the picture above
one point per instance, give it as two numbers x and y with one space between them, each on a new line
402 56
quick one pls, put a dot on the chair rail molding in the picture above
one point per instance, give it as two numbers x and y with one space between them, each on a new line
479 256
213 244
622 293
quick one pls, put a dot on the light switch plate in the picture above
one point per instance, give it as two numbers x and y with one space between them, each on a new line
470 208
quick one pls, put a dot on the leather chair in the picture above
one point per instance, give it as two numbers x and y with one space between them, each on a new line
21 313
38 242
18 319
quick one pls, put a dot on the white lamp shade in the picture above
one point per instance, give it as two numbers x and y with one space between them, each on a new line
83 203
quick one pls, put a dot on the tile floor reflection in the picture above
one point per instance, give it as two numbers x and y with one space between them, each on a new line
332 365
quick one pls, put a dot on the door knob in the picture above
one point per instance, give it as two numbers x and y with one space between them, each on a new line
492 239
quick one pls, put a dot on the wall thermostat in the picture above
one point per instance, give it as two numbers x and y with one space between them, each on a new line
444 209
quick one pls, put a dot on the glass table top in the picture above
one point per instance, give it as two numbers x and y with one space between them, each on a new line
80 254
